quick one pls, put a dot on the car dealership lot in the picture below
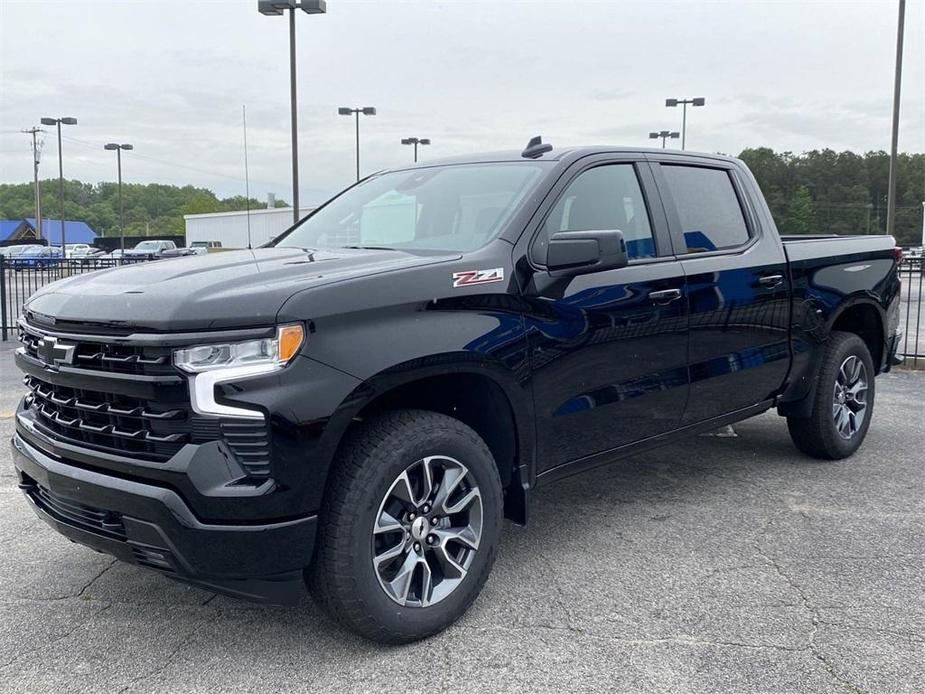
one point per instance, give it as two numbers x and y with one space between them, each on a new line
714 565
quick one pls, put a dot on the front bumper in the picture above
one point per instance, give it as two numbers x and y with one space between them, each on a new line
151 526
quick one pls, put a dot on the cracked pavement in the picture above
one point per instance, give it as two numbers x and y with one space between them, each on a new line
712 565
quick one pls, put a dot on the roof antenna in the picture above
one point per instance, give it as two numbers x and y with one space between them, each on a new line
247 184
535 148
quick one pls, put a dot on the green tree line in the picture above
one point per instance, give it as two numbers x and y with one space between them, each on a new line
828 192
151 208
822 192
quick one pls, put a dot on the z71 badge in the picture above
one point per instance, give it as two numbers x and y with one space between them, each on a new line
470 277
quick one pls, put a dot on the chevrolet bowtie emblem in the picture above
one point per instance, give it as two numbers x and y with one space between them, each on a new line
51 351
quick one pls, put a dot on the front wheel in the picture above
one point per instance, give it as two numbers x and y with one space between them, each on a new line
843 402
409 526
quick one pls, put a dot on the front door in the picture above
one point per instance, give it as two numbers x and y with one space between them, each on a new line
608 349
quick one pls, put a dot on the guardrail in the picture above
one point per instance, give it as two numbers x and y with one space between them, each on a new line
19 279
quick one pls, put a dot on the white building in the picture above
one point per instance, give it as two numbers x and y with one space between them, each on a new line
230 228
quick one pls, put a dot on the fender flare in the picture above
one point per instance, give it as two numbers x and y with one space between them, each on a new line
517 394
802 406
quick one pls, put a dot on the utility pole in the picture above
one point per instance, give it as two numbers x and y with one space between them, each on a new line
897 83
36 157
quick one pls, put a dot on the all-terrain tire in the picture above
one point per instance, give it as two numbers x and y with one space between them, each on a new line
818 435
342 578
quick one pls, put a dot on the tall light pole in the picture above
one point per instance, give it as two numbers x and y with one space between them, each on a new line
58 122
672 103
664 134
36 157
277 7
366 111
415 141
118 148
894 140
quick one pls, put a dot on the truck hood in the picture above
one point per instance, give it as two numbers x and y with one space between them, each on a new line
231 289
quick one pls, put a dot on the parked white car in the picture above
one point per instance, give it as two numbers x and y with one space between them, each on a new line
77 250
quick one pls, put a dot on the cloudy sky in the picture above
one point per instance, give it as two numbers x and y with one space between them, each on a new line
170 77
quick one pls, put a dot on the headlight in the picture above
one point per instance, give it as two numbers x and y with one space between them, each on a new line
270 352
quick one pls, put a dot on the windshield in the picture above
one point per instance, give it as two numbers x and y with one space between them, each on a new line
449 208
147 245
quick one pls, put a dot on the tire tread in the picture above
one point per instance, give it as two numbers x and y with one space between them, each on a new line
815 435
329 578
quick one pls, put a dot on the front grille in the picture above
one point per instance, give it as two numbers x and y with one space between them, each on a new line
104 357
113 423
131 402
96 520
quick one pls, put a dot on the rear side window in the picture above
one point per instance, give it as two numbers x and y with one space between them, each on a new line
708 207
603 198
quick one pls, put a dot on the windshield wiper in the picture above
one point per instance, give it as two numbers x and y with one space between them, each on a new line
369 248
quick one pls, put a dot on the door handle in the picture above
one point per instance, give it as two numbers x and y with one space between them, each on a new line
665 296
771 281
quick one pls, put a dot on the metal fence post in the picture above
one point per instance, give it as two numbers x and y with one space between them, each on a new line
3 311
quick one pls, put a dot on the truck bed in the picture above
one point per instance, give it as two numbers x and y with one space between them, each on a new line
828 245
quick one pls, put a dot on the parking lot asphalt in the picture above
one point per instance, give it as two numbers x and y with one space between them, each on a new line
713 565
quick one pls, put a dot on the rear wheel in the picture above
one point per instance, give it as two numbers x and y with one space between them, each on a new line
409 526
843 401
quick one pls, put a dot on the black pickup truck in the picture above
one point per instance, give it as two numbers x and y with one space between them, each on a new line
358 404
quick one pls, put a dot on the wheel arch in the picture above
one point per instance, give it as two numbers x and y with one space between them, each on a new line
860 315
483 395
865 318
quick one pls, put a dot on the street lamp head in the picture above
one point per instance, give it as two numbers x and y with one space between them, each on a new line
344 111
49 121
313 6
369 110
126 146
274 7
674 135
671 102
425 141
653 136
408 140
699 101
69 121
111 146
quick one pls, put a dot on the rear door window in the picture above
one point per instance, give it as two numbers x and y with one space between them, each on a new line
708 208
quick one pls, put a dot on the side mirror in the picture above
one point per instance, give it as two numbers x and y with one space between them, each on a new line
580 252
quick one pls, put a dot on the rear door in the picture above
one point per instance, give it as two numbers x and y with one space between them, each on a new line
608 349
737 286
